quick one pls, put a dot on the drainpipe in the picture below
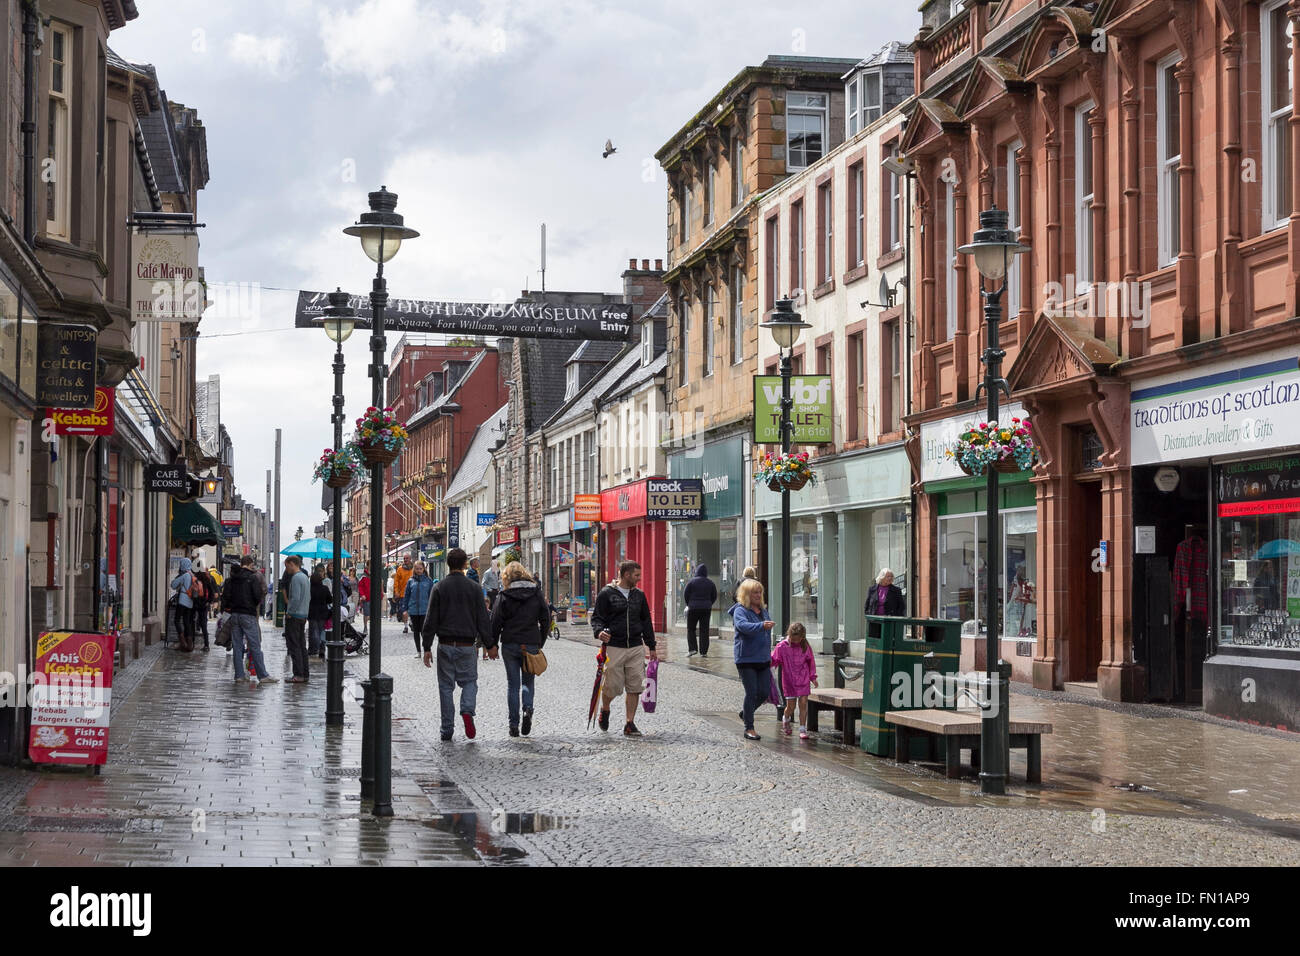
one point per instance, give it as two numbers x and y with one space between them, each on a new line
29 122
912 585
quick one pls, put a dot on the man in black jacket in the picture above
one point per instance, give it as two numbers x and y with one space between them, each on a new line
621 621
700 594
240 598
458 617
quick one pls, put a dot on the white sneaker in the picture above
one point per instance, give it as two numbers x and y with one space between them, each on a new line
270 680
692 653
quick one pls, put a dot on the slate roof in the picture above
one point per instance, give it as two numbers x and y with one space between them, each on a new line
596 351
584 403
891 52
474 465
164 155
637 377
542 361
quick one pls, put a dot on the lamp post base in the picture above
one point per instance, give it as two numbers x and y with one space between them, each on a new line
367 741
334 654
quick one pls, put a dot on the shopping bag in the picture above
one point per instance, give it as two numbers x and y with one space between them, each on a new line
225 624
650 696
774 695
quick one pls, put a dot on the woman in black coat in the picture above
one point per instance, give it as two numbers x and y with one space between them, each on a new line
884 598
319 611
521 619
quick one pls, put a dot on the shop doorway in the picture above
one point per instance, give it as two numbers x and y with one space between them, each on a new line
1085 645
1171 579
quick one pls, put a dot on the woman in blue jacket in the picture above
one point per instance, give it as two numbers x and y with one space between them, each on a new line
753 649
418 590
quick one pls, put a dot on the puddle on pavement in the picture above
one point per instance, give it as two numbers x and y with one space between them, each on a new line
485 831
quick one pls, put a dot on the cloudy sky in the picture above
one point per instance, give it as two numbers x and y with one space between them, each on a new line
486 117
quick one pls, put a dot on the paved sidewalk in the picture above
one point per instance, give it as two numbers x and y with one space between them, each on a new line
206 770
693 791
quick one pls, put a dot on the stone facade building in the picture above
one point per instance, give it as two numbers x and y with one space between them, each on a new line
768 122
1146 153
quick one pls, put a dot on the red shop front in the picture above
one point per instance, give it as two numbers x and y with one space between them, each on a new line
630 537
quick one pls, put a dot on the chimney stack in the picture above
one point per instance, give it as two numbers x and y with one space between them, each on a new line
631 264
645 265
659 265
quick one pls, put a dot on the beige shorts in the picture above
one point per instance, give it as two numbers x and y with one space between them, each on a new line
624 671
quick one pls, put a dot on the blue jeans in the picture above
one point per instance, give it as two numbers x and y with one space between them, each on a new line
244 627
456 665
757 679
315 637
513 655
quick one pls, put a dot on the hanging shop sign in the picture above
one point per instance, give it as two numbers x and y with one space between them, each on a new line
65 365
98 420
486 520
232 516
556 524
812 413
623 503
586 507
605 321
70 699
164 278
674 499
938 437
1221 410
453 527
508 535
171 479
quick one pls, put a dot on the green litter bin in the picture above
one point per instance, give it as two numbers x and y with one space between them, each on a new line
900 652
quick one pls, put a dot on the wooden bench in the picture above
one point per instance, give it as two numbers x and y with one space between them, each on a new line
846 704
960 730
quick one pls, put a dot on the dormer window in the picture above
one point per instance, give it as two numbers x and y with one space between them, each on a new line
647 343
863 99
571 381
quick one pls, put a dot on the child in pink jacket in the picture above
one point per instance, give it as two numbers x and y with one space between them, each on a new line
798 675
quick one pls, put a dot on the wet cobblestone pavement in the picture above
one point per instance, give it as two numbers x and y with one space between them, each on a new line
204 770
208 771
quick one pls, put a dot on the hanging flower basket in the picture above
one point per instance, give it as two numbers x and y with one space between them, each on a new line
336 468
1006 449
784 472
380 437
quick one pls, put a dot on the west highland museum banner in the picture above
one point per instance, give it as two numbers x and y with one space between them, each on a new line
611 321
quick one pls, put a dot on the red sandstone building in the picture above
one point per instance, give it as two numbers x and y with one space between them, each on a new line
1145 151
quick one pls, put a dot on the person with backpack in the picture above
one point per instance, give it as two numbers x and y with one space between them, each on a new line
204 593
418 590
183 585
521 621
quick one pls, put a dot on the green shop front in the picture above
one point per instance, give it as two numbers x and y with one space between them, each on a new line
844 530
958 559
720 540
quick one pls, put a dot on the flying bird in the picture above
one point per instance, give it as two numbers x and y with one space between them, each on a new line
610 149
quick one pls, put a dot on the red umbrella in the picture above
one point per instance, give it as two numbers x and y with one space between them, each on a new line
595 688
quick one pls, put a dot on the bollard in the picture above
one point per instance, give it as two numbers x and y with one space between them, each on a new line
334 652
383 784
367 742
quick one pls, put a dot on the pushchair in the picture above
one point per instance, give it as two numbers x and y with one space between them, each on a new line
354 642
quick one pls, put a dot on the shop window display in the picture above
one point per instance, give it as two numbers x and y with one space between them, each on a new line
1259 553
963 542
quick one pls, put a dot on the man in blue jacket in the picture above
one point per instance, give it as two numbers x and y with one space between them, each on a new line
295 618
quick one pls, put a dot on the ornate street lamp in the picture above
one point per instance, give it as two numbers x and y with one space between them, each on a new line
338 322
786 325
381 231
993 247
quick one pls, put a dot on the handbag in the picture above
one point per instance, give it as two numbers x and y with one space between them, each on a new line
224 627
533 663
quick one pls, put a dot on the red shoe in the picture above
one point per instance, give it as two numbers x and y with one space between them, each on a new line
469 726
